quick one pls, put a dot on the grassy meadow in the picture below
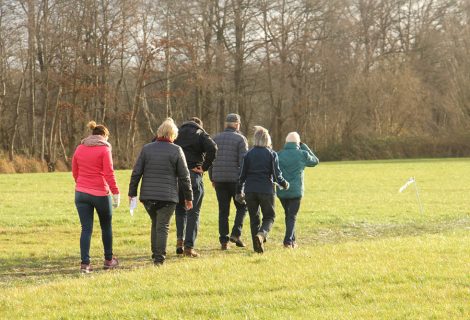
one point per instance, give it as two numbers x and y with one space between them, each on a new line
365 252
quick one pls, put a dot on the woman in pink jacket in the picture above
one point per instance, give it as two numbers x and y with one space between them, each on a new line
92 168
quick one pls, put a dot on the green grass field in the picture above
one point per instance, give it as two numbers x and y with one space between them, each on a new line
365 252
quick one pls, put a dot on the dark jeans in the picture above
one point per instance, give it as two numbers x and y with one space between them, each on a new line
86 205
226 191
160 214
187 222
291 207
256 201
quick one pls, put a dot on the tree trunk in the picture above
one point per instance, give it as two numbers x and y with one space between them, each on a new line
32 73
11 150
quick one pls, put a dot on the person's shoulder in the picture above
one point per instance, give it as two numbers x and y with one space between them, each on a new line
149 145
219 135
175 148
239 135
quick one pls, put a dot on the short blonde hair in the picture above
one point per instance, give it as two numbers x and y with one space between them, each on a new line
168 130
293 137
261 137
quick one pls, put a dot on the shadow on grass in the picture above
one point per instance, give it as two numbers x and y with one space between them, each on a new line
23 271
27 270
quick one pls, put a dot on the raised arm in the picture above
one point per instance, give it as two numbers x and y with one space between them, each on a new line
311 159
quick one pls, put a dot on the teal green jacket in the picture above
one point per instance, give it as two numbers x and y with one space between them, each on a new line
292 161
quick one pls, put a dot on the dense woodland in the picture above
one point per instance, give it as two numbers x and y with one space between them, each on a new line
356 78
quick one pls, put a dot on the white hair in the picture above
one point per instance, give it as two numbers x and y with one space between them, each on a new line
168 129
293 137
262 137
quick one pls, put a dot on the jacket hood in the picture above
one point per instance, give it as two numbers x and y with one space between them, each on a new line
95 140
192 124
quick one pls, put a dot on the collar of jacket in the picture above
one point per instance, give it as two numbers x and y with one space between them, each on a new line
95 140
291 145
164 139
230 129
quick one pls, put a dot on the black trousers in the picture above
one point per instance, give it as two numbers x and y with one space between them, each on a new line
260 203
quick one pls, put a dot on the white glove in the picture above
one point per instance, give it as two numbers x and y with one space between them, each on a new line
132 205
116 200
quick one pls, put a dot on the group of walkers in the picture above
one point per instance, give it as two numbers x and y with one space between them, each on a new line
170 172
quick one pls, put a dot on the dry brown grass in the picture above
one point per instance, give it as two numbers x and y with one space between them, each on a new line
22 164
61 166
6 166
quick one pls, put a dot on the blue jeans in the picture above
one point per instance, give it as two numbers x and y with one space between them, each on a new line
291 208
226 191
187 222
256 201
86 205
160 214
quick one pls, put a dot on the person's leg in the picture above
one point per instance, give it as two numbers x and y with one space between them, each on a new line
163 218
152 212
254 213
222 191
181 218
267 208
85 210
288 234
294 207
104 209
193 214
240 213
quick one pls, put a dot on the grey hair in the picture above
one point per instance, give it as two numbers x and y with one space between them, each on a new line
293 137
262 137
231 124
168 129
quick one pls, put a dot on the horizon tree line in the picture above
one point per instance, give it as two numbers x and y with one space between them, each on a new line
333 70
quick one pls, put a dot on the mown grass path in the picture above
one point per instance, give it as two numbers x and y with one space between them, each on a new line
365 251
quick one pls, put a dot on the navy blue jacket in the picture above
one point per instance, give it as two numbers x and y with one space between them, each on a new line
259 171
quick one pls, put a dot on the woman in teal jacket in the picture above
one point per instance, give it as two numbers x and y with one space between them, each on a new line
293 159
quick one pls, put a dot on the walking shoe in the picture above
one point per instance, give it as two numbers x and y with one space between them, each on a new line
238 242
288 246
179 246
157 263
111 264
224 246
258 243
190 252
86 268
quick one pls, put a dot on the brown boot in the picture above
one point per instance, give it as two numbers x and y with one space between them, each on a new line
190 252
179 246
258 243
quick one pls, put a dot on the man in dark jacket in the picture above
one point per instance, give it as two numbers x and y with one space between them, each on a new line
231 148
199 150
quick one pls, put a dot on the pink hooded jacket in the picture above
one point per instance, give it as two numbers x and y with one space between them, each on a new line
92 167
